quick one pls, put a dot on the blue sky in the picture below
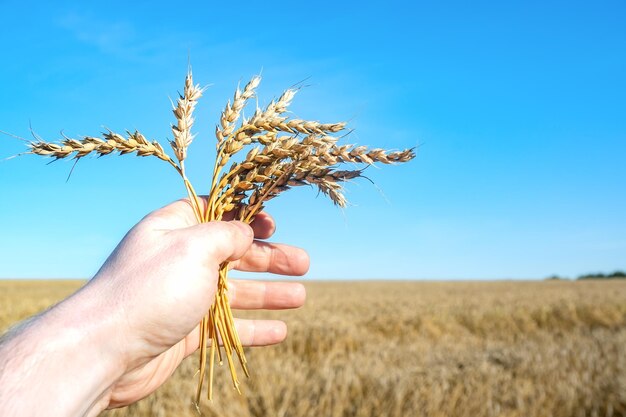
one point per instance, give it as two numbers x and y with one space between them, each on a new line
518 110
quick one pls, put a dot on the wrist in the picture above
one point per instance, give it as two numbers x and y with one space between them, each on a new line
62 362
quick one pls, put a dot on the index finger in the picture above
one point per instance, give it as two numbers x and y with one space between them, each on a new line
263 224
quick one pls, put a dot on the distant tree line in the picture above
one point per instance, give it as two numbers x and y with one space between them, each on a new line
614 275
597 275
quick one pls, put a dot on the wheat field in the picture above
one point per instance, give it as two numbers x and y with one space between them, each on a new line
552 348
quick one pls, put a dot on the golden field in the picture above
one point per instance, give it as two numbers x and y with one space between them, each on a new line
552 348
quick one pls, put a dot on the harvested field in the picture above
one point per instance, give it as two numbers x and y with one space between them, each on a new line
552 348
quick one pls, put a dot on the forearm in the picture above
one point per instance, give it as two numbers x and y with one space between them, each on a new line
62 362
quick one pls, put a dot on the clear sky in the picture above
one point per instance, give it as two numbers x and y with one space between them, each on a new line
518 110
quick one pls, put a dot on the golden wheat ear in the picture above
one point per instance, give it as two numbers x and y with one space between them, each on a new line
183 112
230 115
111 142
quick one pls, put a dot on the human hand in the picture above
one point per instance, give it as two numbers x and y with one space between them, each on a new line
123 334
161 281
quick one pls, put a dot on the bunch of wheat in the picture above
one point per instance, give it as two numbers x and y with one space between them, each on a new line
283 153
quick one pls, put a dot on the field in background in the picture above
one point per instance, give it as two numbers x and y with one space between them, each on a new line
413 348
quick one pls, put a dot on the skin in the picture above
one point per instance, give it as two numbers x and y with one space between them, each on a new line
123 334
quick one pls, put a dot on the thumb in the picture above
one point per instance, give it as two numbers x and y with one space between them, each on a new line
218 241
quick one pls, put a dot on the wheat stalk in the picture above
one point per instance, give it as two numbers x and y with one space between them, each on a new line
306 154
